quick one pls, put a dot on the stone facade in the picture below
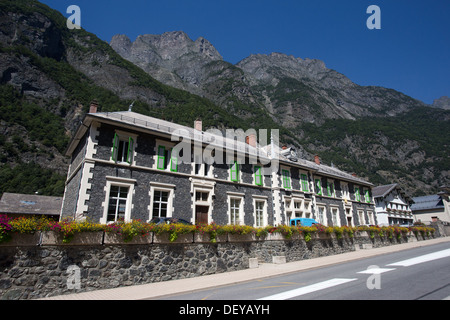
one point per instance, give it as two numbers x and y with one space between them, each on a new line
290 192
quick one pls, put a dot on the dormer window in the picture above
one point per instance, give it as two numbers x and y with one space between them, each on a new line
123 148
166 157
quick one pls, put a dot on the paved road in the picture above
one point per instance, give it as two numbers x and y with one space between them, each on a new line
421 273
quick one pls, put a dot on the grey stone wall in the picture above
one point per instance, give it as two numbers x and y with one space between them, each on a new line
30 272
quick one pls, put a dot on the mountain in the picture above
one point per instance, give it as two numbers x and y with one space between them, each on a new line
442 103
48 77
50 74
380 133
291 89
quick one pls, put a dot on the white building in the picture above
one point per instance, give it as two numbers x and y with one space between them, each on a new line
392 205
432 207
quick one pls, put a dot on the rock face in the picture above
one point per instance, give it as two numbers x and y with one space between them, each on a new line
291 89
442 103
172 57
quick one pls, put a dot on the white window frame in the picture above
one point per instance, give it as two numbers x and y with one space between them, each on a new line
118 182
260 199
157 186
236 196
335 220
322 219
371 216
361 218
124 137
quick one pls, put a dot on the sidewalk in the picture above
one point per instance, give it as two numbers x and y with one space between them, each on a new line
159 289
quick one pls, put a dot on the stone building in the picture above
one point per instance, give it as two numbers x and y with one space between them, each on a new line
128 166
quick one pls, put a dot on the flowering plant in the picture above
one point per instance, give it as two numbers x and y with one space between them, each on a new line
174 229
5 228
129 230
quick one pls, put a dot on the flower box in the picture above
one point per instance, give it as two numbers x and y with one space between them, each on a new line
276 236
22 240
114 238
242 237
52 238
165 238
206 238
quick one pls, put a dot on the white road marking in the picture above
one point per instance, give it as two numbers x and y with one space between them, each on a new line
308 289
376 270
421 259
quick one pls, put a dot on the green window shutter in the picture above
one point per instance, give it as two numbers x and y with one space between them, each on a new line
305 183
367 195
161 157
258 176
130 150
286 179
115 147
318 187
174 161
357 194
234 171
330 189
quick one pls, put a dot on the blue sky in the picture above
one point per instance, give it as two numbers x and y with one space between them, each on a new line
410 53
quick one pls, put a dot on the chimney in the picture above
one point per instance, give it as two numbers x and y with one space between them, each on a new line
251 140
355 175
94 106
198 124
316 159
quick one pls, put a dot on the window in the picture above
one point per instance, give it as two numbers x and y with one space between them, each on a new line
234 172
321 215
304 178
161 198
371 217
335 216
361 217
201 196
357 194
259 213
160 203
318 186
258 176
117 205
367 196
330 189
286 179
235 205
123 149
167 159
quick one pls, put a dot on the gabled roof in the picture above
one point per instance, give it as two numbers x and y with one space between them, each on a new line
427 203
383 191
14 203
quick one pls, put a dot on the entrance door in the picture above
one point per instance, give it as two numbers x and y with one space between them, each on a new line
201 214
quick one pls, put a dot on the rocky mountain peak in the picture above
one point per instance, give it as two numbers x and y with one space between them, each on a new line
442 103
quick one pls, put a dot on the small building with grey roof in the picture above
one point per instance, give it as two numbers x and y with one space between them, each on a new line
26 205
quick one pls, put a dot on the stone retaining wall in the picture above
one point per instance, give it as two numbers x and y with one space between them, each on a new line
37 266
